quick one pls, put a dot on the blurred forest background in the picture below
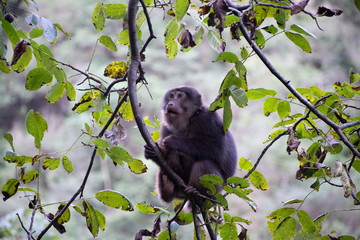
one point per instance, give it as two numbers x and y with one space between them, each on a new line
335 51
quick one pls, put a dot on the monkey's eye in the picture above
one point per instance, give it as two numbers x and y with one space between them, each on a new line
179 95
171 95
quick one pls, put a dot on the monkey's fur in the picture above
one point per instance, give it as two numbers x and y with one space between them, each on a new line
193 142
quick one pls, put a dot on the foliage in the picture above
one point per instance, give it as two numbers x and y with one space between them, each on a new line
327 118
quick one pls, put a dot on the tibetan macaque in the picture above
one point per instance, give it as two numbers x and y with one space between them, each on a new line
193 143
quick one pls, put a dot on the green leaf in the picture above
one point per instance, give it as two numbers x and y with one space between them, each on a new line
230 80
301 30
10 32
70 91
30 175
50 31
243 183
19 160
286 230
36 126
280 17
37 77
244 53
94 218
245 164
281 213
60 28
51 163
229 231
293 201
209 181
119 155
124 38
270 105
258 180
239 96
260 39
85 103
299 41
357 4
227 115
55 93
3 64
108 43
321 218
67 164
8 137
98 17
115 200
65 217
227 57
181 7
306 222
284 109
10 188
259 93
137 166
23 61
101 143
171 32
270 29
114 11
147 208
354 77
36 32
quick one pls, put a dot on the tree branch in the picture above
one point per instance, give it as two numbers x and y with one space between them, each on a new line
92 159
264 151
287 84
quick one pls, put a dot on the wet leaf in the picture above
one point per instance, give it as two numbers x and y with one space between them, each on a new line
137 166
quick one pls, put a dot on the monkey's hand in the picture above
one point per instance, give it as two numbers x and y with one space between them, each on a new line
190 190
149 152
171 142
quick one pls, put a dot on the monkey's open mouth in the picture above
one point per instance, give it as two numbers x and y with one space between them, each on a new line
169 111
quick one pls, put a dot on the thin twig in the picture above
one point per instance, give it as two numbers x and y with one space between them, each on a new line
23 227
264 151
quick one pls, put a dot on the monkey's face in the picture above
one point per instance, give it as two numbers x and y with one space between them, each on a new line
179 105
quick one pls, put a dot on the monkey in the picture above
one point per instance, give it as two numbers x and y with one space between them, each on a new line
193 143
